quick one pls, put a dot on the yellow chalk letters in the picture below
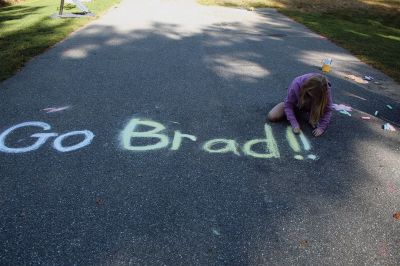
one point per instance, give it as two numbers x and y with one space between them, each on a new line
230 146
270 142
129 133
176 142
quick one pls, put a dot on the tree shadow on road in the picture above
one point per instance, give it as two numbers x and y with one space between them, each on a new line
189 206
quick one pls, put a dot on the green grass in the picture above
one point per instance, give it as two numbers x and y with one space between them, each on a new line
242 3
26 30
370 30
375 40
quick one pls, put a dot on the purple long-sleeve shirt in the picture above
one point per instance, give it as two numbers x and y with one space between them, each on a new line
292 101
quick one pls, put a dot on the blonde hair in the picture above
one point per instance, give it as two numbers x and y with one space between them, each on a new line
314 94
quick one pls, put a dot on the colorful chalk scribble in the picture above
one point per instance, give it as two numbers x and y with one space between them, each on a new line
56 109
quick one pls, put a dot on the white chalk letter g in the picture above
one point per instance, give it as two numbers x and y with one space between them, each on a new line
41 137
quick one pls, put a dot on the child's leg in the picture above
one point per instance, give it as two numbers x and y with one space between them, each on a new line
277 113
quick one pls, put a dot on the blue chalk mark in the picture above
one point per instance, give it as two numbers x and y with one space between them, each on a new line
345 112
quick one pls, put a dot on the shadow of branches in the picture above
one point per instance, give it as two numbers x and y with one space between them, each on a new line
191 207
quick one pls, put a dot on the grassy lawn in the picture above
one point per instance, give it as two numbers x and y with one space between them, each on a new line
370 29
26 30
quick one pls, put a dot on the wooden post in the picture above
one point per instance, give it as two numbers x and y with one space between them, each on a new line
61 7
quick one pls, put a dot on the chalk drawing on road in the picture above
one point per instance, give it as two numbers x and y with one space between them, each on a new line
312 157
142 135
55 109
177 141
43 137
271 146
228 145
304 140
130 134
88 137
294 144
133 139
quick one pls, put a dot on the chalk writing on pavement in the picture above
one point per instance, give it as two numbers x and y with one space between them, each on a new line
144 135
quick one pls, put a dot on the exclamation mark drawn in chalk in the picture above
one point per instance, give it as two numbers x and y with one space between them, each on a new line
307 146
294 144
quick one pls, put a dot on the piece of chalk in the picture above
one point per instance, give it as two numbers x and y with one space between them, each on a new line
365 117
376 113
388 127
344 112
388 106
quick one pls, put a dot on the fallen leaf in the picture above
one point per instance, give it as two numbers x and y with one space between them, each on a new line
396 216
99 201
303 243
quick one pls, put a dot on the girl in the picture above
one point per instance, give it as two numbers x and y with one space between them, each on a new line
307 93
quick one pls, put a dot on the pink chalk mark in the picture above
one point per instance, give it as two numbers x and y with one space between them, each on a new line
55 109
356 79
366 117
383 249
342 107
391 187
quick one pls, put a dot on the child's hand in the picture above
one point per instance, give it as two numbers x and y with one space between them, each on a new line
318 132
296 130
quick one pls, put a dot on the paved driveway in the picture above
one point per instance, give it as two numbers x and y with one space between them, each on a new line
141 140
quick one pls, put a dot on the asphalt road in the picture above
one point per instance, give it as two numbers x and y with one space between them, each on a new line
141 140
